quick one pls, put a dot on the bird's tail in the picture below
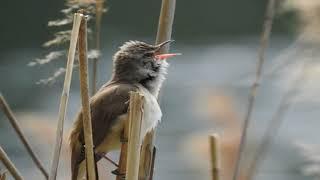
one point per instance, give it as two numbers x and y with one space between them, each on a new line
78 163
77 156
75 160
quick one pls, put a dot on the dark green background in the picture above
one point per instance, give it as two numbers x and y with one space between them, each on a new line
24 23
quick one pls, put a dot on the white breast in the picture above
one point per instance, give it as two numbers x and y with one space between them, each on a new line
152 113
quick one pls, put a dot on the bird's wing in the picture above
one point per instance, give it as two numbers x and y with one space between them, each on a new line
106 106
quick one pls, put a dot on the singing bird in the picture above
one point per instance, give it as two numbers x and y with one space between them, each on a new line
137 66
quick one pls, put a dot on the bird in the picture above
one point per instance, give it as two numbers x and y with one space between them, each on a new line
137 66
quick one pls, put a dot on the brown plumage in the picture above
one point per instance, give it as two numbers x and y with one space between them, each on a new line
135 69
106 107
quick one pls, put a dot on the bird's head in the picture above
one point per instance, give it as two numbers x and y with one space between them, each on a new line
140 62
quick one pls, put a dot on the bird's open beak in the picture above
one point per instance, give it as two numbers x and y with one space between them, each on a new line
165 56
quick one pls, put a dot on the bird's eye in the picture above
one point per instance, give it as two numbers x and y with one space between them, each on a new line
148 55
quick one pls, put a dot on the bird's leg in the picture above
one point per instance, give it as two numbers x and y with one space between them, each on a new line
116 171
104 155
120 171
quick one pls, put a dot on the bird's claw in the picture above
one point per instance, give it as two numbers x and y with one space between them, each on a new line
117 173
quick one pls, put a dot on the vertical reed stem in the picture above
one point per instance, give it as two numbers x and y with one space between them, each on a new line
261 54
65 95
99 12
15 124
123 152
154 152
87 126
215 156
165 23
134 141
9 165
275 123
164 33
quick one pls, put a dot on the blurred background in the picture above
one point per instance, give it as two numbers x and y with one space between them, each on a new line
206 90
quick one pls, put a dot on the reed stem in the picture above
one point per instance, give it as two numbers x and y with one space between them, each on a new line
164 33
9 165
265 36
123 152
275 123
215 156
86 112
15 124
65 95
134 141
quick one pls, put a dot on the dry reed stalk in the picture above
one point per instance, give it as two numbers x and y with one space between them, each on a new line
134 144
275 123
146 158
15 124
154 152
86 112
123 153
99 12
65 95
164 33
9 165
261 54
215 156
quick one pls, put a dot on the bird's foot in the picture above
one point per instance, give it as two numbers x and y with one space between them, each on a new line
118 173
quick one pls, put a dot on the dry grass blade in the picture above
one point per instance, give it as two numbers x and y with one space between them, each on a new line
87 126
50 80
164 33
135 122
9 165
47 59
215 156
261 53
65 96
14 123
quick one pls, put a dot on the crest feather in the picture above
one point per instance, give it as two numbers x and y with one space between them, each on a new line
136 46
